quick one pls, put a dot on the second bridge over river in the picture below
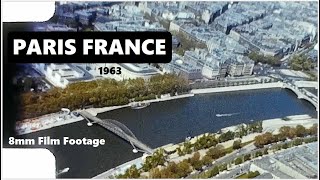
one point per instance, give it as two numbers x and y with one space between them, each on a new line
119 129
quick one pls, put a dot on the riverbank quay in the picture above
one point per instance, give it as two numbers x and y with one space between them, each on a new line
96 111
45 122
238 88
271 125
58 119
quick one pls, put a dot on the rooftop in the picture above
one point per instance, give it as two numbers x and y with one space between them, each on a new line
139 68
297 162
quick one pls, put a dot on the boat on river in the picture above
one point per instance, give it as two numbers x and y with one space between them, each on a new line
65 170
226 115
139 105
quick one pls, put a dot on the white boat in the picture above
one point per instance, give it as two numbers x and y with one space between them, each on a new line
224 115
139 105
62 171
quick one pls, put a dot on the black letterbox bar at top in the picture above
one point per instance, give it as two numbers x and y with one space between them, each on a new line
158 46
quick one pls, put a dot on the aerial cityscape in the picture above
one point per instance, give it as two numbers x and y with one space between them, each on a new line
239 98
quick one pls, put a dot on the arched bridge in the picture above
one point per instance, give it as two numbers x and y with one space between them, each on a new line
302 94
119 129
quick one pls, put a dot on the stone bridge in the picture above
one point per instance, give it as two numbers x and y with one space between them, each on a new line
302 94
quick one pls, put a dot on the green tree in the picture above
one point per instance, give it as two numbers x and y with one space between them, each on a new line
236 144
172 170
261 140
216 152
285 146
226 136
157 158
257 57
184 169
280 137
287 132
247 157
206 160
238 160
313 130
187 148
205 141
300 131
309 140
131 173
155 173
300 62
213 172
223 167
195 161
259 153
297 142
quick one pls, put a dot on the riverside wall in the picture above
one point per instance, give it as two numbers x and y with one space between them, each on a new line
238 88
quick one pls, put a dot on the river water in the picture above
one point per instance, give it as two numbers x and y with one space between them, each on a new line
167 122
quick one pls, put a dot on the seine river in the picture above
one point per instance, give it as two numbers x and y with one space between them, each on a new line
167 122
